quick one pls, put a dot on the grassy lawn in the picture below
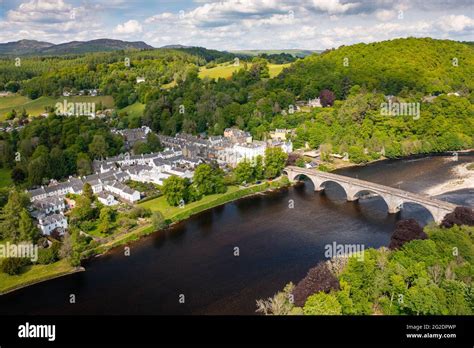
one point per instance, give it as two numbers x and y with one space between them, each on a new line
12 101
37 107
34 274
169 212
226 71
276 69
5 179
134 110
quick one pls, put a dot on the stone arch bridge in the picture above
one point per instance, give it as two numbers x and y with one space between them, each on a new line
393 197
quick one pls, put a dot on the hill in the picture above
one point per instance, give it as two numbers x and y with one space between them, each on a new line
294 52
23 47
425 65
31 47
207 54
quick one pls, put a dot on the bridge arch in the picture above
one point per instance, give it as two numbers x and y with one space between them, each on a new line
435 214
393 206
301 176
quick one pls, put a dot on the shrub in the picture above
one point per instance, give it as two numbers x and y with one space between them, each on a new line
13 265
49 255
406 231
139 212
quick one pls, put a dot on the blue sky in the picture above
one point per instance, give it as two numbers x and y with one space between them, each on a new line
236 24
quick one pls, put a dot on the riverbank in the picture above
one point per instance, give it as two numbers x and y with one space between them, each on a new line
175 215
40 273
36 274
464 179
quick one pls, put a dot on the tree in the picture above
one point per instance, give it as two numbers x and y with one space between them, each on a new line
88 192
105 220
98 147
158 220
174 188
405 231
318 279
67 246
18 175
83 210
460 216
275 161
258 169
300 162
327 98
83 164
153 142
209 180
28 231
322 304
11 219
357 155
244 172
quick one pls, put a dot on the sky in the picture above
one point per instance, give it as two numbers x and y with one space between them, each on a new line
237 24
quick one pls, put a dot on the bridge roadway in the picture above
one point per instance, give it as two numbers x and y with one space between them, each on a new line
393 197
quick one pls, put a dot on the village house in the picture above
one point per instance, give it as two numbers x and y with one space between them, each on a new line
236 135
132 136
48 206
123 191
52 222
107 199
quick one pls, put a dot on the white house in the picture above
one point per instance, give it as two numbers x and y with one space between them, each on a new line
124 192
49 223
107 199
48 206
249 151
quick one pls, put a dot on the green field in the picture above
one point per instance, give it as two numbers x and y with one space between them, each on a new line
5 179
226 71
34 274
12 101
37 107
134 110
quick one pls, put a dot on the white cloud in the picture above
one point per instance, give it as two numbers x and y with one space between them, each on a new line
385 15
130 27
453 23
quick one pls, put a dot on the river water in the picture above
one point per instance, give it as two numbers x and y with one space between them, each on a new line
279 236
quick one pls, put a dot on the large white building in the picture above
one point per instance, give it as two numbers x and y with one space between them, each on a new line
48 224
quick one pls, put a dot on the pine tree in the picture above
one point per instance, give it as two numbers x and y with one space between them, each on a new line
9 227
28 231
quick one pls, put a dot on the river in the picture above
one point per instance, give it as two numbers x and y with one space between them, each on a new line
279 236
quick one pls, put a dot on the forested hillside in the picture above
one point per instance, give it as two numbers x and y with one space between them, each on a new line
424 65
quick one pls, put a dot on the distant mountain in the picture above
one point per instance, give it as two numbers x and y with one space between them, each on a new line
30 47
175 46
294 52
23 47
